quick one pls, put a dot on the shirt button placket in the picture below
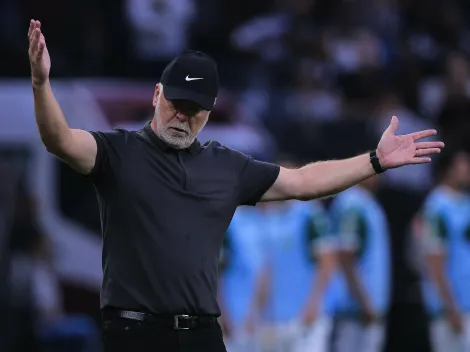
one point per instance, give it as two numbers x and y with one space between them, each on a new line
183 166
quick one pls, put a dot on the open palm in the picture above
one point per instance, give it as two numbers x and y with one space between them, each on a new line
39 58
395 151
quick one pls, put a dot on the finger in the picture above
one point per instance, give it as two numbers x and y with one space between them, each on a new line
425 145
36 25
427 151
420 160
423 134
31 37
31 28
393 125
42 45
35 41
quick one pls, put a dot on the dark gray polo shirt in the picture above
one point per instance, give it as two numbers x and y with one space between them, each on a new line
164 213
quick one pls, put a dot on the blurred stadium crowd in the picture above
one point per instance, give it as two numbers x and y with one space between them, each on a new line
383 267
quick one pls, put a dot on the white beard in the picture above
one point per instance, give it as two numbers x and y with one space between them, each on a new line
164 133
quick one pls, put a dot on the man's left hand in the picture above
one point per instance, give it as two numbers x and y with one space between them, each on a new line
395 151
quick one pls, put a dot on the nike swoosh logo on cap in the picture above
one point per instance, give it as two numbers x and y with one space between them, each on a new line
188 79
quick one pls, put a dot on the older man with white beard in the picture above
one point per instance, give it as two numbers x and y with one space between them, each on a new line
166 200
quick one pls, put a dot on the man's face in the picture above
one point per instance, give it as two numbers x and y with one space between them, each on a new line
177 122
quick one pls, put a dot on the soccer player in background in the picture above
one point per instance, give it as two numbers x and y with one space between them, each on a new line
445 231
362 288
241 262
300 261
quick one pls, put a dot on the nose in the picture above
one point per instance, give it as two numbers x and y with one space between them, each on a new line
181 117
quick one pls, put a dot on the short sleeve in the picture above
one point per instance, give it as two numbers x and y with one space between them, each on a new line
256 178
107 146
435 231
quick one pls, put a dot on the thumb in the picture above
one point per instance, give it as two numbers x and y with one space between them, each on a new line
392 128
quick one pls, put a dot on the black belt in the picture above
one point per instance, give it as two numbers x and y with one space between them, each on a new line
177 322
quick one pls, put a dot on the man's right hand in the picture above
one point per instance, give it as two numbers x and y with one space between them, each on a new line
39 58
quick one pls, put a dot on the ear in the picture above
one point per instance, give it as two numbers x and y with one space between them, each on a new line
155 95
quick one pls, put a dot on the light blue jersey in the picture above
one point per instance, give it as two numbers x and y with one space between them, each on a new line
241 262
446 218
360 224
296 231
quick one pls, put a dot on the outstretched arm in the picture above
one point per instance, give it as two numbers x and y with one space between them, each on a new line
327 178
76 147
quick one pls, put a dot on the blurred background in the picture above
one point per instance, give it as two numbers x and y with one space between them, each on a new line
301 81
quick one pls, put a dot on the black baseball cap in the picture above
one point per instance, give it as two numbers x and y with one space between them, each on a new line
192 76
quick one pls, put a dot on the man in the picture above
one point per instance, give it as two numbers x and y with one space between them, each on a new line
446 234
300 263
166 201
240 267
362 291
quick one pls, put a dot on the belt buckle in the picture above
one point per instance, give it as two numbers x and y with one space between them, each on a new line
177 319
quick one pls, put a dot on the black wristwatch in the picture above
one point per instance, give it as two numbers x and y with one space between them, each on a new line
374 160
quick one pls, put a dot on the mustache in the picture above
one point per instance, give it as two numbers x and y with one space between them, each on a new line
179 126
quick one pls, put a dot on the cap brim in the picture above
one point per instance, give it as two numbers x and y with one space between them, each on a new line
175 93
